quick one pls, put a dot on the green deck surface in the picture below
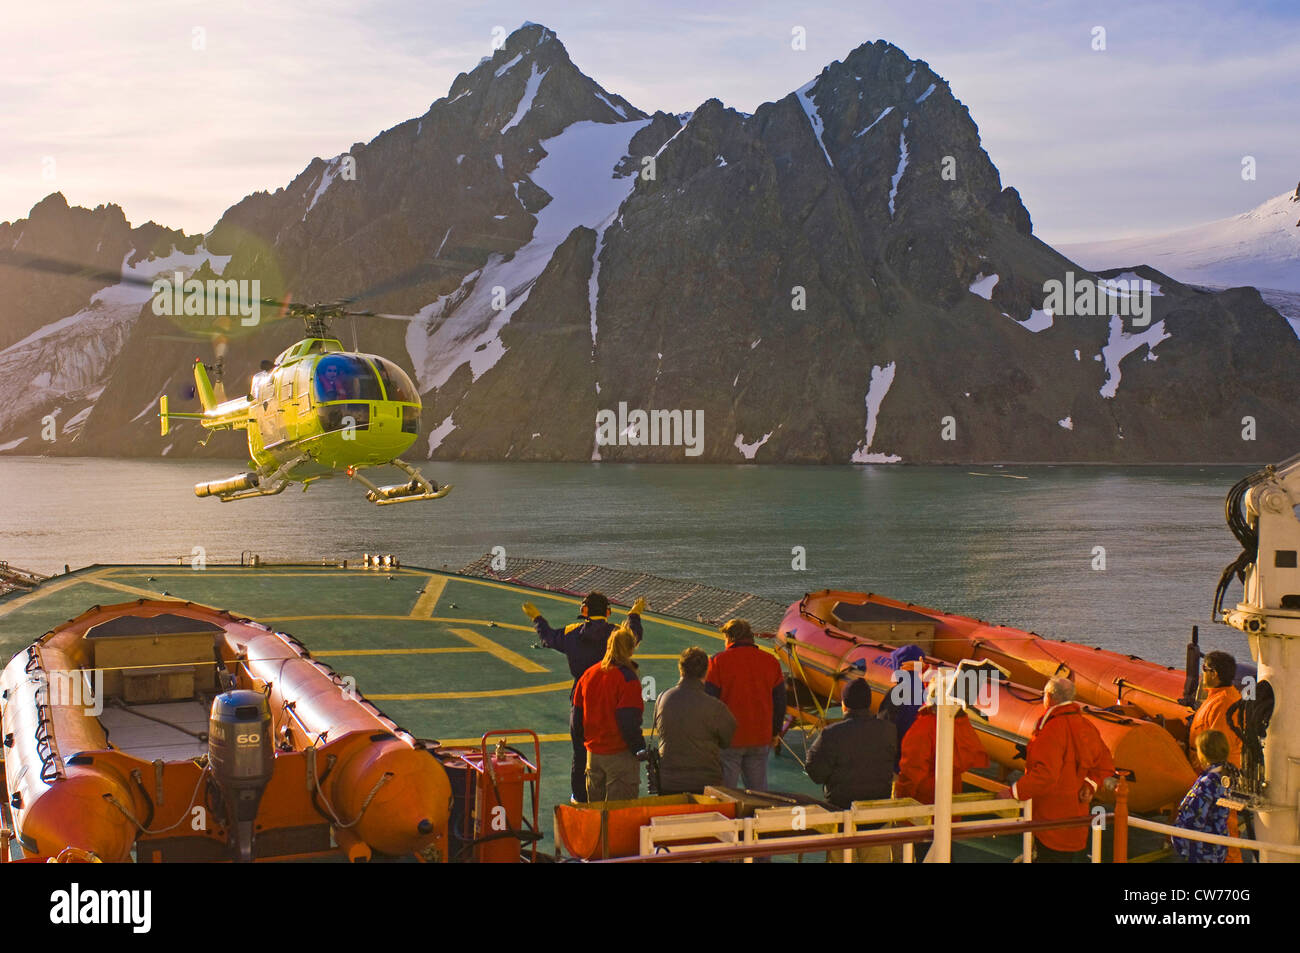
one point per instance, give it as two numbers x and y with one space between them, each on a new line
449 662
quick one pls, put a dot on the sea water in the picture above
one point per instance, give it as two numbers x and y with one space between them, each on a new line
1122 557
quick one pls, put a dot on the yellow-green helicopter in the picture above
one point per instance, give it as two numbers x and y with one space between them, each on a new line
316 412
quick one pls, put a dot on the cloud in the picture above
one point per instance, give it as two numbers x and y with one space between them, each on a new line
1148 134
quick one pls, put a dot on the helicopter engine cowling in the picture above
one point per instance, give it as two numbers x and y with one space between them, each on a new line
234 484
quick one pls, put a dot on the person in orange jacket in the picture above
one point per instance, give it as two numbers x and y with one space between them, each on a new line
1065 763
916 758
1218 672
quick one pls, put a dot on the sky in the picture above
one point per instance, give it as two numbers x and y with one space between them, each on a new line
177 109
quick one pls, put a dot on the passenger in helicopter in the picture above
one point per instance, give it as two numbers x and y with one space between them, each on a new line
333 383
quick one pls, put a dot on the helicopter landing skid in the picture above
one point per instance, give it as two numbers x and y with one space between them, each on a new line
418 489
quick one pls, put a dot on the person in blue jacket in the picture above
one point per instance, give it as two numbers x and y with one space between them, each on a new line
1200 810
583 644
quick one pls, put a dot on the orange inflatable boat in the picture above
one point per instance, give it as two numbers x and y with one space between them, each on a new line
825 653
1101 678
171 731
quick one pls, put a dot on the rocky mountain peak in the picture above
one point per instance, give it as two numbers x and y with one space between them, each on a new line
822 281
530 89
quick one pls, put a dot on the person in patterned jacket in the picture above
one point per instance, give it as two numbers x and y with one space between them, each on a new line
1200 810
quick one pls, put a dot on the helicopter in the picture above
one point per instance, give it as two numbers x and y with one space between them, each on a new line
315 412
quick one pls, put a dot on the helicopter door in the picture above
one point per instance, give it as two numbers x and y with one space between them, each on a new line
270 419
297 411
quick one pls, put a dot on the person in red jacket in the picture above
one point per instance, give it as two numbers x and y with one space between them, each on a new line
750 682
608 708
1065 763
916 758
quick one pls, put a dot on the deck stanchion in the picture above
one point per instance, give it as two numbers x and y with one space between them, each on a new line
946 710
1027 841
1119 850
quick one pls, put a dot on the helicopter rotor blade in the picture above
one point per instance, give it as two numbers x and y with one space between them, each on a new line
282 309
56 266
72 269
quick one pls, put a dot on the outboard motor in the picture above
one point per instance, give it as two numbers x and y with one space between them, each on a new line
241 760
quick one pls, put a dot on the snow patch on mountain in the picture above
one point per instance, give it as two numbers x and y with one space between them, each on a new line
526 101
1066 423
1120 345
882 378
887 110
983 286
576 173
330 173
804 95
593 283
925 95
505 67
618 109
1037 321
747 450
902 167
438 434
75 422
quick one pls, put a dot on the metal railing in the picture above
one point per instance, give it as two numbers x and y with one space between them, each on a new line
906 837
695 602
1123 821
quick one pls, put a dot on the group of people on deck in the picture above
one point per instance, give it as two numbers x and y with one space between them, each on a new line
720 723
717 726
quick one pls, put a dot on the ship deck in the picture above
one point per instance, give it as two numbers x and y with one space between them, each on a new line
445 655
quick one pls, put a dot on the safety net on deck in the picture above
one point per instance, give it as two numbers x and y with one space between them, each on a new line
685 600
13 579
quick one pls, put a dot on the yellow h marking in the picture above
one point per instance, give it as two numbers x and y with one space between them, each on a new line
428 601
498 651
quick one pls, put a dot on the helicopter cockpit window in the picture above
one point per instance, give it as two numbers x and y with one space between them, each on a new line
342 377
396 384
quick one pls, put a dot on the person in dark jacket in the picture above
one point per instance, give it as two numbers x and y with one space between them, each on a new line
694 728
583 644
907 696
854 759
